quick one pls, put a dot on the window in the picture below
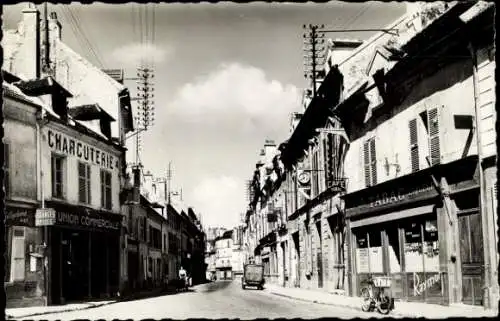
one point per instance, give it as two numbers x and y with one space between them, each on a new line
434 148
414 157
57 176
370 162
106 190
84 183
369 251
17 272
6 156
431 122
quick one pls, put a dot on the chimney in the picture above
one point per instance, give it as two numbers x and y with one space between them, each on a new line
269 148
30 66
55 28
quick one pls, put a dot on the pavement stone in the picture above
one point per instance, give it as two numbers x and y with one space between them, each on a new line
402 309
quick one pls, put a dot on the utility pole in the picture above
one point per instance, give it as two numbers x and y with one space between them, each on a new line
169 178
145 110
314 45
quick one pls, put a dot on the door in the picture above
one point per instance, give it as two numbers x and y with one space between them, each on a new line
296 244
471 254
319 258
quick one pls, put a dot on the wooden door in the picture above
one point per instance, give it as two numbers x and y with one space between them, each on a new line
472 256
319 258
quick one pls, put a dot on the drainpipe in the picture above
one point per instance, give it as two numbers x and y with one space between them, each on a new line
485 223
40 119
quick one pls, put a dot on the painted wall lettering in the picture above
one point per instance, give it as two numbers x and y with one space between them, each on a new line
397 195
420 287
73 147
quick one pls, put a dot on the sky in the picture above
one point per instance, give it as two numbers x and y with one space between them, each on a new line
227 77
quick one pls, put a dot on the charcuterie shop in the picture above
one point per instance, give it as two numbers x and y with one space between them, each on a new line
423 230
84 246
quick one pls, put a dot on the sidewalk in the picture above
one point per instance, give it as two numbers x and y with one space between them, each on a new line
402 309
19 313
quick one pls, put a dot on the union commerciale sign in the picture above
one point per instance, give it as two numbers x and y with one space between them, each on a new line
50 217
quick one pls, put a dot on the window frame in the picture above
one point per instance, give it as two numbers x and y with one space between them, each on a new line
62 158
87 179
106 189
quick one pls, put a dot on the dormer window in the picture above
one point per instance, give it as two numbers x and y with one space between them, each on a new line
48 86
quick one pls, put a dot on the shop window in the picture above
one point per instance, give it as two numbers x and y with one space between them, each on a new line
414 257
6 168
370 162
57 176
369 252
84 183
17 272
375 252
393 249
431 246
106 201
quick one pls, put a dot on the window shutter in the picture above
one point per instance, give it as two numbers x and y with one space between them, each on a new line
18 255
366 153
414 145
6 153
88 184
81 183
373 157
434 148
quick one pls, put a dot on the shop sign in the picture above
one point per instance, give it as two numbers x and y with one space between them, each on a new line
74 147
398 195
45 217
19 217
422 285
358 204
337 184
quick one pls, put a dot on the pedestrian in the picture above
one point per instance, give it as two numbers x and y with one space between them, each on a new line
183 276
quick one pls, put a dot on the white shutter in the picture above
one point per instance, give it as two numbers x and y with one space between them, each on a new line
17 272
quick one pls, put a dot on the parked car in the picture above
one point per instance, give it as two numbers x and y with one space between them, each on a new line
253 275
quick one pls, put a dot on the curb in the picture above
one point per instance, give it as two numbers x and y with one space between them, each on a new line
356 308
395 313
90 306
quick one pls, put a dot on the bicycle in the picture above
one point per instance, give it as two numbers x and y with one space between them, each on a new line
379 300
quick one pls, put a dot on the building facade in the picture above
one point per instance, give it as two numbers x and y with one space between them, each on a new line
326 221
223 256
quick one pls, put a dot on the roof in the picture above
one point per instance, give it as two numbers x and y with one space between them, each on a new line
16 93
89 112
315 116
42 86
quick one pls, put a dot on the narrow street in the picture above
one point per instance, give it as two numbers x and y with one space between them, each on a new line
222 299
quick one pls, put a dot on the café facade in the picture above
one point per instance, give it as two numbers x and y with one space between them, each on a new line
80 214
416 229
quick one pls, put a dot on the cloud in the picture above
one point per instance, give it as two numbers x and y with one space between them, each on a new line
220 200
132 54
236 90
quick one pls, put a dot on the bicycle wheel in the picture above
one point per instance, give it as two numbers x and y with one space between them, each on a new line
365 296
384 306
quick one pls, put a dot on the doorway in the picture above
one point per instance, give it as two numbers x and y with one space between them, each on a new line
319 250
296 246
74 261
472 257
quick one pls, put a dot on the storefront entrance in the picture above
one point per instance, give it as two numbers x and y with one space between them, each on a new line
472 258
